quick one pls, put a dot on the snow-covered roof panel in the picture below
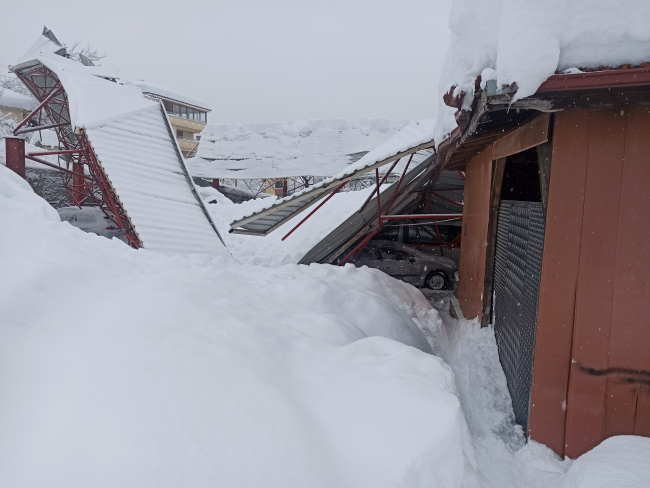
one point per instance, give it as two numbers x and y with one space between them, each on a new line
92 99
527 42
288 149
12 99
163 92
139 156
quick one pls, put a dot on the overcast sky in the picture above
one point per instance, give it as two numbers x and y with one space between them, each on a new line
259 60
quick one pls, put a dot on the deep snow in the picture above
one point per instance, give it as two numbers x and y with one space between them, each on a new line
128 368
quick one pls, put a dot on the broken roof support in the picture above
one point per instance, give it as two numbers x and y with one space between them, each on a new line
314 211
382 182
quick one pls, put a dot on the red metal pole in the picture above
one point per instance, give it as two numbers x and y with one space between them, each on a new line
78 184
54 153
215 183
447 199
358 248
15 152
399 184
314 211
382 182
462 175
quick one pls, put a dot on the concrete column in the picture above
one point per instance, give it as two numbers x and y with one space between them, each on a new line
15 151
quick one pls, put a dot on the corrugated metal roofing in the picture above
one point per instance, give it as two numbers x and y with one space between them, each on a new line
139 157
265 221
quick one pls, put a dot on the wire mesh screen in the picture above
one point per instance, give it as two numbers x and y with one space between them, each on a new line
517 273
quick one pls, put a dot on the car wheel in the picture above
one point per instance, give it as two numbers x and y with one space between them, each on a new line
436 281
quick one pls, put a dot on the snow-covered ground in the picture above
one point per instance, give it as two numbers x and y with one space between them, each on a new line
271 250
128 368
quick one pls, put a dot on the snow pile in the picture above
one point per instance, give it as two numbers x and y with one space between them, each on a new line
526 42
12 99
288 149
127 368
271 250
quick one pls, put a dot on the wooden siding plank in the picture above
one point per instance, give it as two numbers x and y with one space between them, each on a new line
559 278
627 407
528 135
595 292
478 179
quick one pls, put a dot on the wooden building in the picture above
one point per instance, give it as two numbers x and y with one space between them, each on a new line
556 248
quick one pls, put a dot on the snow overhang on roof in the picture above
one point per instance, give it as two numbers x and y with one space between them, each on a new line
167 94
414 138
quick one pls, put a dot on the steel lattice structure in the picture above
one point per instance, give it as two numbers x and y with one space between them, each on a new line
83 186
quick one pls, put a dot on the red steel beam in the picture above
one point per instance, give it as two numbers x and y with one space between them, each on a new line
399 183
447 199
420 216
359 247
314 211
378 192
54 153
54 92
382 182
65 170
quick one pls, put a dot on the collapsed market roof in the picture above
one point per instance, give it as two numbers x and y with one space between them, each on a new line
414 138
135 170
288 149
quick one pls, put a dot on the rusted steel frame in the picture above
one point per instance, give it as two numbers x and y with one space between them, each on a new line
462 175
399 183
38 109
55 153
382 182
40 161
359 247
447 199
419 216
314 211
619 78
40 127
101 180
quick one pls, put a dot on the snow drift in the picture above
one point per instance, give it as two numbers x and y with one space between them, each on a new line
128 368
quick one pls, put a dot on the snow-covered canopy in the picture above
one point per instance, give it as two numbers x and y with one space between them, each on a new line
288 149
92 98
163 92
12 99
526 42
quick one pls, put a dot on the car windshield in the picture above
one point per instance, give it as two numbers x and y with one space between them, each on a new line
392 254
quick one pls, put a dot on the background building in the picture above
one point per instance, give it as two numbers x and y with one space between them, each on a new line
187 115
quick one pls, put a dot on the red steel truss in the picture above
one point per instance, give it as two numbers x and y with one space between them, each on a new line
83 176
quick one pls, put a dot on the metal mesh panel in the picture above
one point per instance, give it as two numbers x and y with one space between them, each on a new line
517 272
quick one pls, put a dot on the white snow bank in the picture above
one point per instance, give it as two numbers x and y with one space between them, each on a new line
12 99
526 42
127 368
289 148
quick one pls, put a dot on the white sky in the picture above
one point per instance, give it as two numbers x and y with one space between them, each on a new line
255 60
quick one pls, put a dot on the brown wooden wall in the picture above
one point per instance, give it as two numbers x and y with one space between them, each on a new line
591 377
476 211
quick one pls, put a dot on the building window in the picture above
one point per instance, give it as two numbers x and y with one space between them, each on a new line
185 112
279 184
179 133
